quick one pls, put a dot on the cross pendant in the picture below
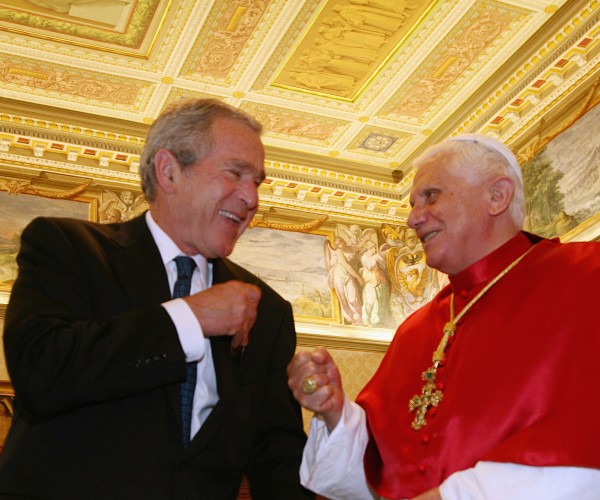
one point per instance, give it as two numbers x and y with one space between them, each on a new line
430 396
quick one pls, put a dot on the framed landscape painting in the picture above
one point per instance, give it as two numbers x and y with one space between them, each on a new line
562 181
16 211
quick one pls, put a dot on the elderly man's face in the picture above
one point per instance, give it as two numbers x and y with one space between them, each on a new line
217 197
449 216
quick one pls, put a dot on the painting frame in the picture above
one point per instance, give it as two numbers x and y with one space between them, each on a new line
43 198
564 121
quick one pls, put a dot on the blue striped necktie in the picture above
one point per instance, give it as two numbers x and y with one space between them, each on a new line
183 285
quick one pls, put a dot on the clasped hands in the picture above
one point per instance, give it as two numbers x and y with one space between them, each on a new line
227 309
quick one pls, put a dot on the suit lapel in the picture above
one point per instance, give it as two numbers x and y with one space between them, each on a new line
139 265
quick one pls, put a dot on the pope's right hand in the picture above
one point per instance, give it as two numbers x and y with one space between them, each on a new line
328 398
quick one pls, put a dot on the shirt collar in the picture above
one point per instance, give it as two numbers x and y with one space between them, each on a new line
167 247
487 268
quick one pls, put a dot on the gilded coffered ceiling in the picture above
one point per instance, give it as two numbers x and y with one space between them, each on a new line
348 90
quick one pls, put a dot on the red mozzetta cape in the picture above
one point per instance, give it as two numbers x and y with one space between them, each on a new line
519 379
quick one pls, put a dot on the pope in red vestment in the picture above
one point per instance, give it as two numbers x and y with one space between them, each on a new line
517 379
495 374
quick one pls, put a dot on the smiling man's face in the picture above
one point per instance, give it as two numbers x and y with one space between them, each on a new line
449 214
217 198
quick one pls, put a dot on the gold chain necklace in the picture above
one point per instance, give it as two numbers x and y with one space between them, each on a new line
430 394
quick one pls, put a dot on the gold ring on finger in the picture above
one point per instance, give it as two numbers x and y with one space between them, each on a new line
309 385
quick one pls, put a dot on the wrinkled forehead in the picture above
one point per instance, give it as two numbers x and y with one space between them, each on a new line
441 173
436 166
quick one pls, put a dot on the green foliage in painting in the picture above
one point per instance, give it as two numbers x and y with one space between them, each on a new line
544 202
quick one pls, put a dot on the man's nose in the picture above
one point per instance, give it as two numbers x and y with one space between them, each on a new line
249 194
415 217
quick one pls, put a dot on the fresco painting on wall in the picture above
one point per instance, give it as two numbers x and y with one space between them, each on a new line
16 211
379 275
361 277
562 180
292 264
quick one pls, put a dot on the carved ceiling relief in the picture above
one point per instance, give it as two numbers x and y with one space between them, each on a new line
24 74
109 12
449 64
347 44
302 125
122 24
379 141
233 26
286 124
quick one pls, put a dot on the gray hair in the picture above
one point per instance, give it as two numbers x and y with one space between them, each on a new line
476 156
184 129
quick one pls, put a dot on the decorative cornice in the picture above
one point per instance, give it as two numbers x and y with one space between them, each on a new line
571 25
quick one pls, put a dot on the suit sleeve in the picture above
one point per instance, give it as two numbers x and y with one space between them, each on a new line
71 336
275 463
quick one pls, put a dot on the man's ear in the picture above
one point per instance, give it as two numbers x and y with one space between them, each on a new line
165 165
501 194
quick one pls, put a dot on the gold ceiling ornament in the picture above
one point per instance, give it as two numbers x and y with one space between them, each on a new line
591 99
305 227
531 68
348 45
131 30
59 195
13 186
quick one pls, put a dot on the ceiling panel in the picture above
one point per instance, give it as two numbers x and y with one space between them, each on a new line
348 90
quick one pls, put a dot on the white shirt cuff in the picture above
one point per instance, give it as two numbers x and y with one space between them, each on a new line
332 463
499 481
188 328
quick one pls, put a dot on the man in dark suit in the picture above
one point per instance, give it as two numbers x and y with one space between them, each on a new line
98 350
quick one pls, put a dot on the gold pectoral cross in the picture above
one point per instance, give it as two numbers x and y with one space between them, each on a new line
430 396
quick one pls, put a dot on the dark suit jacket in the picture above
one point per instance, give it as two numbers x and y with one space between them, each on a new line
96 365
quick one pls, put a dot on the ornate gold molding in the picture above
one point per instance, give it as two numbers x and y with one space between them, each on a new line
17 186
591 99
305 227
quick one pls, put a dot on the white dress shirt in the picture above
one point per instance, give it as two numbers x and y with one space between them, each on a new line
195 346
332 466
